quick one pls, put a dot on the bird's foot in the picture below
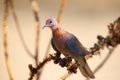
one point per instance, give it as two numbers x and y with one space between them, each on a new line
73 68
57 58
64 62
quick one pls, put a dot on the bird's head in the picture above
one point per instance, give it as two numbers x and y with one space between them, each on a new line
51 23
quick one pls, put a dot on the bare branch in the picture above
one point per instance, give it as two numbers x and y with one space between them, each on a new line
104 61
111 40
35 8
40 66
5 34
66 76
63 3
114 36
19 30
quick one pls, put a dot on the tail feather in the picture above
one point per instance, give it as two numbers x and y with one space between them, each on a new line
89 71
85 69
82 70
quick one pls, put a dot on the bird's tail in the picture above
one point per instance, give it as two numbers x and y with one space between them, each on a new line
85 70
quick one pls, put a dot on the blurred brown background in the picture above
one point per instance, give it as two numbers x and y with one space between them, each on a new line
84 18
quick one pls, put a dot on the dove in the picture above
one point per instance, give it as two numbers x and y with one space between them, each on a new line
68 44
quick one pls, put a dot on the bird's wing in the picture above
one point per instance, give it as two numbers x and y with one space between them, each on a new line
75 46
78 52
53 46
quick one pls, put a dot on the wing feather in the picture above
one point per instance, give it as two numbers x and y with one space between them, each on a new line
53 46
75 46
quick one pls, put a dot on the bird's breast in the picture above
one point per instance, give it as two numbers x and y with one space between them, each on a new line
60 43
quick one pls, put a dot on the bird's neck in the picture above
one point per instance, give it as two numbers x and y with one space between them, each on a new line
57 32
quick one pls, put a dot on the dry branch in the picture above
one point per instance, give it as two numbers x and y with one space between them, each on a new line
66 76
62 7
112 40
104 61
35 8
5 35
34 71
19 30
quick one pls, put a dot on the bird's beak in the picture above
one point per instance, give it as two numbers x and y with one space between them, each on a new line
44 26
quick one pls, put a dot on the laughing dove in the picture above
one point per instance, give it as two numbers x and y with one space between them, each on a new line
66 43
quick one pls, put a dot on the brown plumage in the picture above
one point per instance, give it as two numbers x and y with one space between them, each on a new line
69 45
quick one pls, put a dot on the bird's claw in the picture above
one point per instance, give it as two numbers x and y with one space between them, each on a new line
65 61
57 58
73 68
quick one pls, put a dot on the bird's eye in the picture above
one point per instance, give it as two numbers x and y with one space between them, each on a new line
50 21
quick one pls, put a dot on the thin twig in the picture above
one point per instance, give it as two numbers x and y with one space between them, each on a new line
66 76
5 34
35 9
113 39
62 7
46 53
40 66
19 30
104 61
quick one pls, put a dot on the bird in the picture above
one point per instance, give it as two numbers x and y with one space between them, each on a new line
68 44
